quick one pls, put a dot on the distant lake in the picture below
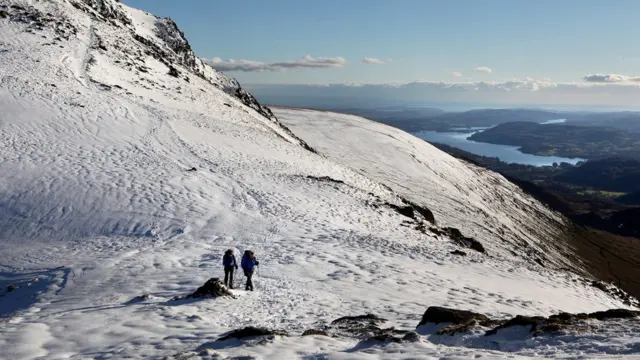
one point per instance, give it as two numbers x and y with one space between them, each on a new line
556 121
508 154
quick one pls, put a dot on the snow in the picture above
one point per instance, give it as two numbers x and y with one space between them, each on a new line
98 207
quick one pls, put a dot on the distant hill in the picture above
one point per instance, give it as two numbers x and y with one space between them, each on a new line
564 140
491 117
630 199
625 120
622 175
433 119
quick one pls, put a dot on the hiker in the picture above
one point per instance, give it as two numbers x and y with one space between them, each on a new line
248 262
230 264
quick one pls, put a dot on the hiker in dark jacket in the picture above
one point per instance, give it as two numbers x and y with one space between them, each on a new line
248 262
230 264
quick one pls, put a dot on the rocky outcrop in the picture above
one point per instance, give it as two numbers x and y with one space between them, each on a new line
456 236
174 49
413 211
252 332
324 178
38 21
213 288
614 314
533 322
366 328
616 293
167 30
107 9
315 332
439 315
358 324
139 299
463 321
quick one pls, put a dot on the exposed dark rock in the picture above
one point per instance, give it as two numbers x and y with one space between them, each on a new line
617 293
10 288
388 335
311 332
385 338
412 210
98 43
458 252
614 314
402 210
426 213
324 178
461 240
139 298
358 320
107 10
532 321
361 327
464 321
225 104
212 288
193 169
457 329
411 336
566 318
600 285
563 321
438 315
250 332
475 245
391 335
173 72
4 14
168 31
551 328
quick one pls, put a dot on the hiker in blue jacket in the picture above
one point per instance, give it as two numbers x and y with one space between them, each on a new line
248 262
230 264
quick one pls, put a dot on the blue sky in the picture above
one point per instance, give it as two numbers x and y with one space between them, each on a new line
553 41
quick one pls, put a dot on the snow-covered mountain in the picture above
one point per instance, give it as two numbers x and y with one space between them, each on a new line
128 166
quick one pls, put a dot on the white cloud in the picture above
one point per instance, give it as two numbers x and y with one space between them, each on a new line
483 69
305 62
370 60
610 78
520 91
456 74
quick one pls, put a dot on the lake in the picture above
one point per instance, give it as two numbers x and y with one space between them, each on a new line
508 154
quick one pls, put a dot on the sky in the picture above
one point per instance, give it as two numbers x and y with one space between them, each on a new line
538 44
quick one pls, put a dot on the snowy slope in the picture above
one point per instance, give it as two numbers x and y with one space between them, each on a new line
127 166
479 202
